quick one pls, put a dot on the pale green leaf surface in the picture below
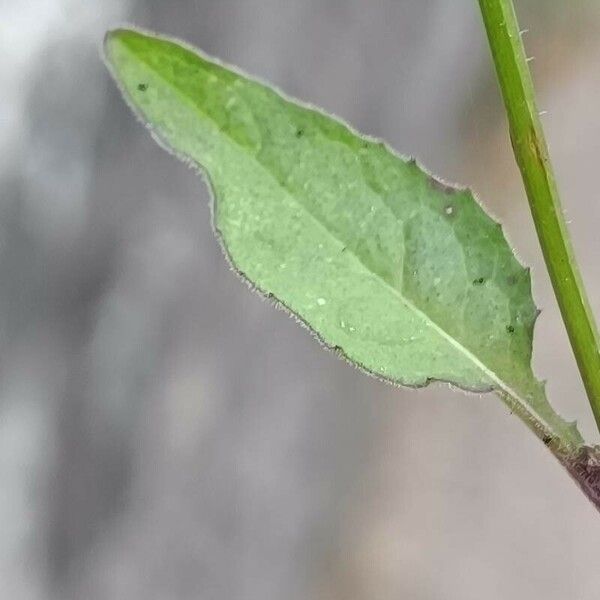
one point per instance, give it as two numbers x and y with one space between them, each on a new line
408 278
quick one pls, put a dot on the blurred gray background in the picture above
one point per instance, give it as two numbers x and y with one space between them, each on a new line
166 434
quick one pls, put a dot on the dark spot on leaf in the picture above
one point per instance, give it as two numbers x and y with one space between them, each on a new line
547 440
142 87
299 132
510 329
479 281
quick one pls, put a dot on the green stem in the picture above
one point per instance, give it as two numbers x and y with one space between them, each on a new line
531 152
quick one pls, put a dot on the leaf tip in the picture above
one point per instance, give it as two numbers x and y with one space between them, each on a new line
111 38
121 37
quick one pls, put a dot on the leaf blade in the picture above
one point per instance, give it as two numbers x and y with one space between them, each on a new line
410 279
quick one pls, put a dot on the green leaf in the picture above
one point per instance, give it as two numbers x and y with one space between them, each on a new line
405 276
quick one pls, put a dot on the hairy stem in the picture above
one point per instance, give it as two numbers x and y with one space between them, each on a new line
531 152
581 462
